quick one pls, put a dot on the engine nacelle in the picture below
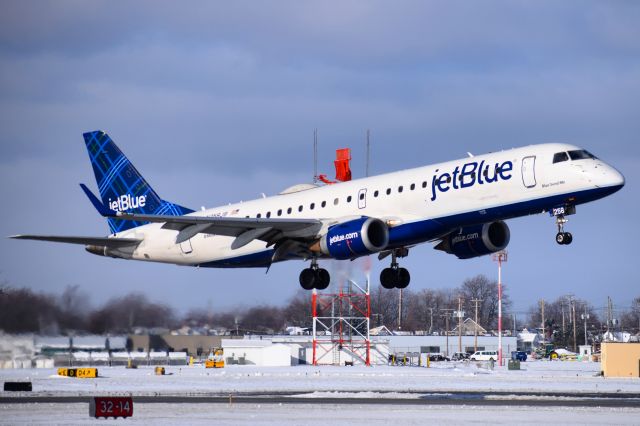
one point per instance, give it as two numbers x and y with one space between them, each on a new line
355 238
476 240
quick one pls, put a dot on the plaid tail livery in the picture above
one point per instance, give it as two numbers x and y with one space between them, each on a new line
121 186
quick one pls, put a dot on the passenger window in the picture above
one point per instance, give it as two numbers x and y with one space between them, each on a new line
413 186
268 214
299 208
559 157
335 202
289 210
312 206
324 203
349 199
375 193
280 212
424 184
388 191
362 195
400 188
259 215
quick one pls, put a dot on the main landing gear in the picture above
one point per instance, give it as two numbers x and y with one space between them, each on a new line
395 277
563 238
314 277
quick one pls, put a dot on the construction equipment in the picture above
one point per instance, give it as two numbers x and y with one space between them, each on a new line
215 358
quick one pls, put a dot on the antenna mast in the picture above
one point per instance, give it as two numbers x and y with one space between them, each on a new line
315 155
366 172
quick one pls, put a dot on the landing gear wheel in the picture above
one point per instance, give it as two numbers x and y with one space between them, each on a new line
308 279
403 278
322 279
564 238
387 278
568 238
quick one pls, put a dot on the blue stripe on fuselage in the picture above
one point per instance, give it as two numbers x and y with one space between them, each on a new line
425 230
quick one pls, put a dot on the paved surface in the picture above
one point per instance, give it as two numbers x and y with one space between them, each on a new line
449 398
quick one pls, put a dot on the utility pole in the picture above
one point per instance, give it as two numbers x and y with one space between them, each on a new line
459 314
514 325
400 310
500 257
563 324
475 328
585 317
573 318
446 314
544 334
609 316
430 320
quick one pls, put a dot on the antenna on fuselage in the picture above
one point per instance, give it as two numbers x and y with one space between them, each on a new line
366 170
315 155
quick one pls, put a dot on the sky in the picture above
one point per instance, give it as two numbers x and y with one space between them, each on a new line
216 102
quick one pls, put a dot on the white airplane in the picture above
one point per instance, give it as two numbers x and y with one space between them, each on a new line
460 205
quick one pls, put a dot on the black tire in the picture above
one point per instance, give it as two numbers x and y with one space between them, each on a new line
403 278
560 238
308 279
568 238
387 278
323 279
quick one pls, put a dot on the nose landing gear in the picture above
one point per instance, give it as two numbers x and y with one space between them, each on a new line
395 277
562 237
314 277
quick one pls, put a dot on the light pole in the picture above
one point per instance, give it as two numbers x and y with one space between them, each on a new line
585 317
500 257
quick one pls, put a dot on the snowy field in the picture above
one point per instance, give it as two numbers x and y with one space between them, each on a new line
379 383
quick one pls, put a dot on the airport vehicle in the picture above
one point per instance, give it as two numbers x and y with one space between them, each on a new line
484 356
519 356
459 205
460 356
438 357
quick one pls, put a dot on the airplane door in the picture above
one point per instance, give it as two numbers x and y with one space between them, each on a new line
186 247
362 198
529 171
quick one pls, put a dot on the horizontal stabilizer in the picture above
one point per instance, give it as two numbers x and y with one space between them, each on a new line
94 241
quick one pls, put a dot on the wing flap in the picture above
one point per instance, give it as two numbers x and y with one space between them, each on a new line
94 241
265 229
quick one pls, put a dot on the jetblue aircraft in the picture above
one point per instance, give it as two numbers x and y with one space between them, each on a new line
460 206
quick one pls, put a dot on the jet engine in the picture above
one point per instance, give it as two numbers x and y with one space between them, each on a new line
476 240
355 238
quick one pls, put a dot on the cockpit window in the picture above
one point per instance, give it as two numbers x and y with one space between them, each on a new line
581 154
559 157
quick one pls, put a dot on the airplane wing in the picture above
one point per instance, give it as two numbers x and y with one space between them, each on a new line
244 229
93 241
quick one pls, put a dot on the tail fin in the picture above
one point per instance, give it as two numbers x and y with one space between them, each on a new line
121 186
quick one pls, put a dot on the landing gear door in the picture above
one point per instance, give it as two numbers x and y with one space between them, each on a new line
362 198
529 171
186 247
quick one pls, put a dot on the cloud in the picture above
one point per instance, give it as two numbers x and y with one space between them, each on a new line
217 102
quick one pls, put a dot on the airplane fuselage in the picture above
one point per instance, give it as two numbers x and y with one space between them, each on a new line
418 205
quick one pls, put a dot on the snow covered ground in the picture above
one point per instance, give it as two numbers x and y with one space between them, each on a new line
377 382
543 376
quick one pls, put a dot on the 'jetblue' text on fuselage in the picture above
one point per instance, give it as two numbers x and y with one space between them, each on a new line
469 175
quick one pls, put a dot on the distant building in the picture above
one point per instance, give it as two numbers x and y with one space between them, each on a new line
470 328
528 341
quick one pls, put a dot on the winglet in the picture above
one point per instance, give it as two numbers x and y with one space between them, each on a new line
104 211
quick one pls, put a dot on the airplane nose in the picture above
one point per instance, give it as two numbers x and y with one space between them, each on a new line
616 178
